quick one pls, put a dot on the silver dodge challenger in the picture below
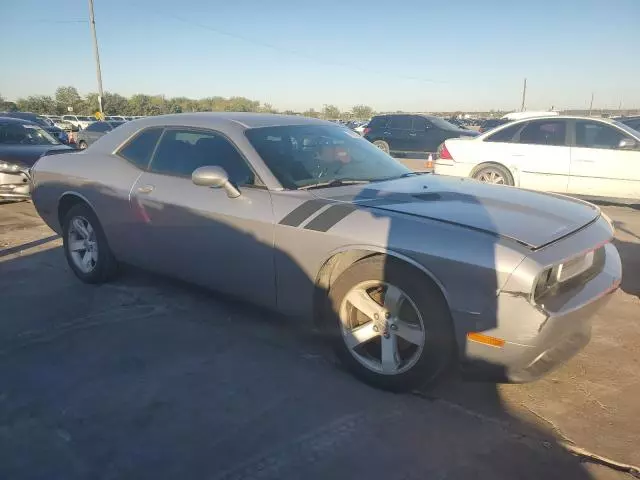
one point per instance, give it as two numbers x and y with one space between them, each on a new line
410 276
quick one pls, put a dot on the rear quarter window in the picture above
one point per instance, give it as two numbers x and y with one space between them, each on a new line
505 135
378 122
139 149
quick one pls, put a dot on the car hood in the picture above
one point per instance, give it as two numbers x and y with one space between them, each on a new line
27 155
530 218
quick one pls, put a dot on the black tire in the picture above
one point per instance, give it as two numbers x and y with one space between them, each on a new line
382 145
106 266
501 170
438 353
82 145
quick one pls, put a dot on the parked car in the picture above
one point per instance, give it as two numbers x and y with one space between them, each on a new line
491 123
57 121
21 144
633 122
405 273
93 132
81 122
40 120
410 134
570 155
458 123
116 118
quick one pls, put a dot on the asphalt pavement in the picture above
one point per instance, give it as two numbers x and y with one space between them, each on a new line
151 378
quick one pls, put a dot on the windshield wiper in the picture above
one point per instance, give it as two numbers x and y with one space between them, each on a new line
404 175
333 183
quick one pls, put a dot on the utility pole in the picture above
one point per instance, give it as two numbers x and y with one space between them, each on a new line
591 104
524 94
97 54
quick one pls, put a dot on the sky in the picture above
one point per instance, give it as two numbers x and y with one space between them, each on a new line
411 55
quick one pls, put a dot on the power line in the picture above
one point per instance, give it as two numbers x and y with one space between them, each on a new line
296 52
50 21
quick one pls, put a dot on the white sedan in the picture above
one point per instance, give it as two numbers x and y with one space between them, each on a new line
573 155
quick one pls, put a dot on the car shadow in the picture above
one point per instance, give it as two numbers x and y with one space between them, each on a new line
630 255
150 377
612 203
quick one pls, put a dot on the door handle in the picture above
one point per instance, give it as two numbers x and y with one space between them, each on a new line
412 134
386 133
146 189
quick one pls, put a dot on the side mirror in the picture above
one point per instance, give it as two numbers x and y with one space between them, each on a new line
214 177
627 144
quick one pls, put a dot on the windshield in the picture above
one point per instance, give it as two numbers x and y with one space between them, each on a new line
303 156
23 134
42 121
442 123
86 119
627 128
45 122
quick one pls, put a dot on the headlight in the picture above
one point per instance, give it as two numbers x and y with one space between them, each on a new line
562 273
6 167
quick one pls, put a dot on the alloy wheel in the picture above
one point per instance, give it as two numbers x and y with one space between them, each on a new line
83 244
382 146
491 176
382 327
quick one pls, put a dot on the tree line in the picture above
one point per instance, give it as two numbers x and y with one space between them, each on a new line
140 104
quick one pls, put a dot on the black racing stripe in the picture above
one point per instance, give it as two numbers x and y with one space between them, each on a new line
330 217
299 214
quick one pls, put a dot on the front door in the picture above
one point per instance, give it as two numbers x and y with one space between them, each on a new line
198 233
541 155
425 137
599 167
397 133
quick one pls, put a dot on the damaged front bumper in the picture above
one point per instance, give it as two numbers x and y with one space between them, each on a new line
15 186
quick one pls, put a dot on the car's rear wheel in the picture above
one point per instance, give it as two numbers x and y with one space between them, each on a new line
86 247
382 145
82 145
393 326
495 174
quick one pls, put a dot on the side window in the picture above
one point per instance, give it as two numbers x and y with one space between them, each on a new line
420 124
597 135
544 132
98 127
378 122
505 135
635 124
181 151
140 148
401 122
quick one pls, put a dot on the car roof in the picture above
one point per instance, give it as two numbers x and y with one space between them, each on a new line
22 115
15 120
564 117
243 119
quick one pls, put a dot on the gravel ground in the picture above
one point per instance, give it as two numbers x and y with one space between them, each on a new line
151 378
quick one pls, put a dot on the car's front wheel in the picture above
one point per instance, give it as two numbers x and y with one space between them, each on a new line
394 329
382 145
86 247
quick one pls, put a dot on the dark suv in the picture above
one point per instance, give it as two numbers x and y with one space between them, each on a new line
633 122
407 134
